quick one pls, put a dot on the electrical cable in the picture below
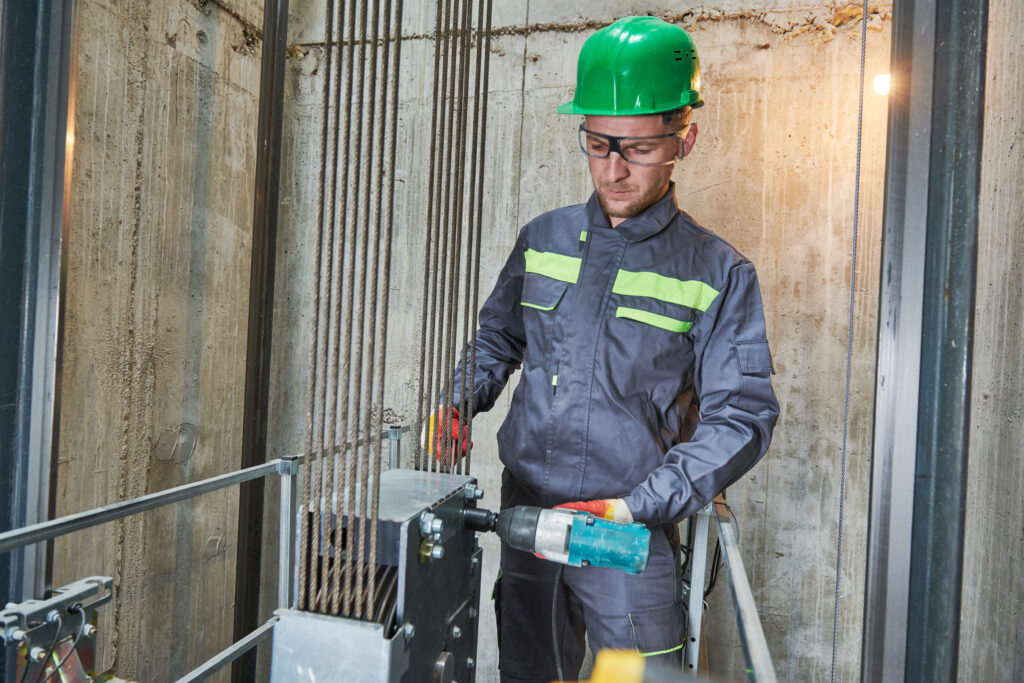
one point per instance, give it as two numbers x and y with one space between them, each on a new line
81 630
849 338
554 615
49 652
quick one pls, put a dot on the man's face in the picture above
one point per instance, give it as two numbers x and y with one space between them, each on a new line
625 189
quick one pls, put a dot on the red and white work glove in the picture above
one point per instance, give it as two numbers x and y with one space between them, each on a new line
442 437
614 509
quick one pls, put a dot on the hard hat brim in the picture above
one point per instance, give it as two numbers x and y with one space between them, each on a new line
572 108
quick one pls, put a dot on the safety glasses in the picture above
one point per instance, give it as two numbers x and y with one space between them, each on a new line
648 150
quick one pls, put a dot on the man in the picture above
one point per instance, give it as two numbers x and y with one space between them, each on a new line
645 385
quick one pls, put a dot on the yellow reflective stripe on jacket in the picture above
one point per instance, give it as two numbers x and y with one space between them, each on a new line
556 266
689 293
662 321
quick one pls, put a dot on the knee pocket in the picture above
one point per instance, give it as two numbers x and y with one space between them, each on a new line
659 631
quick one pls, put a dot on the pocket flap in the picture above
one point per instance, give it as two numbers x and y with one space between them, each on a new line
541 292
755 357
658 631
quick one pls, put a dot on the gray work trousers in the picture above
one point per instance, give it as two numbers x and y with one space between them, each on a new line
613 609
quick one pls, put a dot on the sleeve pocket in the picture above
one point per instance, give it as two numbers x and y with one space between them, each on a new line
658 631
542 293
755 357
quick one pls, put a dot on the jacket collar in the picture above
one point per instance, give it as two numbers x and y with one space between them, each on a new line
637 228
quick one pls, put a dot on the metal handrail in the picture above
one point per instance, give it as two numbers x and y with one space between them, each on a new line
755 646
287 468
9 540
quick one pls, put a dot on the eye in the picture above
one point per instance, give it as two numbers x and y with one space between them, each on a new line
597 145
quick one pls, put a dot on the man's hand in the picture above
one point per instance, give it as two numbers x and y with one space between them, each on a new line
614 509
442 437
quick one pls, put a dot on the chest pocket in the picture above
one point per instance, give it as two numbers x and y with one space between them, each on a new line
542 293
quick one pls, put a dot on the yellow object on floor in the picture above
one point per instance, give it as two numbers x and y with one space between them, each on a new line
617 666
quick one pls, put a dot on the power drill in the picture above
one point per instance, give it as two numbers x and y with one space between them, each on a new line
571 537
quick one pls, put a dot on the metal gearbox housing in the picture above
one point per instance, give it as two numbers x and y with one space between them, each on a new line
421 533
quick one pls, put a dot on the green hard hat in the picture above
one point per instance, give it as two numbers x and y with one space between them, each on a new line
638 65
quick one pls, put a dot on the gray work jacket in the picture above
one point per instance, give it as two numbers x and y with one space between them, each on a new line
645 365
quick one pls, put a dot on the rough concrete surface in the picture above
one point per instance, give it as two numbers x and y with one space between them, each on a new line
992 610
773 173
157 297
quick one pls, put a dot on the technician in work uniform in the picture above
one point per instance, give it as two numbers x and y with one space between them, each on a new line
645 385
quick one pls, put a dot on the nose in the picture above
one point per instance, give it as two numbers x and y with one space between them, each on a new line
618 168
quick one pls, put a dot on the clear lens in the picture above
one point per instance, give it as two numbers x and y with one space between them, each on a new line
656 150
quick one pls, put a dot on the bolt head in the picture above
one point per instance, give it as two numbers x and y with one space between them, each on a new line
18 635
470 663
436 525
37 654
456 632
410 630
437 552
426 521
90 631
475 561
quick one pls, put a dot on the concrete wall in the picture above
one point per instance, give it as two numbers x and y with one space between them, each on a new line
992 628
773 173
157 300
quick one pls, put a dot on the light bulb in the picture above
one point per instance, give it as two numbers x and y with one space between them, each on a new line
882 84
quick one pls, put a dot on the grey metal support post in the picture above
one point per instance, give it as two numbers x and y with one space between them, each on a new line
698 568
395 447
915 537
286 541
35 49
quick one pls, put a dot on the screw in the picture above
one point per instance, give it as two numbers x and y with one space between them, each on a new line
37 654
410 630
470 663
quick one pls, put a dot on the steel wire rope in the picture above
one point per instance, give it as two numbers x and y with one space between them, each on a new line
358 327
439 282
473 250
344 397
388 82
365 403
445 284
457 227
479 213
302 601
319 372
423 388
849 337
335 244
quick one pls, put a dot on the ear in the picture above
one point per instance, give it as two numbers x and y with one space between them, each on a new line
689 139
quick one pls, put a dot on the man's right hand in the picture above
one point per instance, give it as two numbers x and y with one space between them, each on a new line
443 438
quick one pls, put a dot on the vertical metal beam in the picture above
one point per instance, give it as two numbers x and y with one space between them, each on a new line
35 47
261 307
947 340
915 537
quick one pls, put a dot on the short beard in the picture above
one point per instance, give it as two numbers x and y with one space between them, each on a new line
636 207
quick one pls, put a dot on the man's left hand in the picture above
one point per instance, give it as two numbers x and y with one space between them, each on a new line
614 509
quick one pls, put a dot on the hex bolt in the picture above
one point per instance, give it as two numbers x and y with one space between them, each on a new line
18 635
436 525
437 552
410 630
470 663
472 613
37 654
456 632
473 492
426 521
475 561
90 631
